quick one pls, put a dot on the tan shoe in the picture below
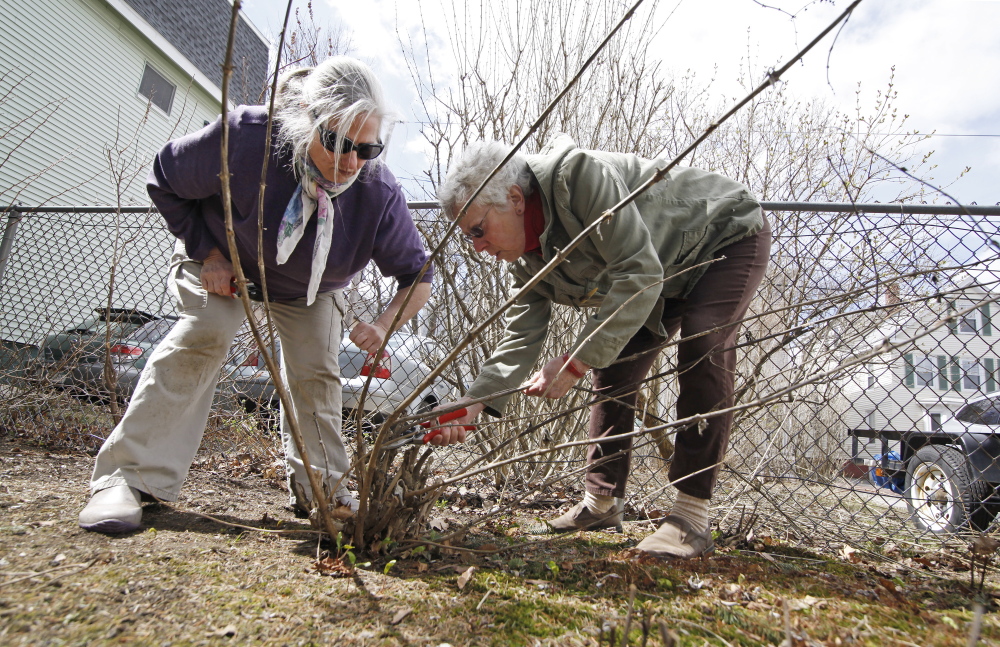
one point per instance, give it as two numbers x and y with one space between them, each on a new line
113 510
579 517
677 539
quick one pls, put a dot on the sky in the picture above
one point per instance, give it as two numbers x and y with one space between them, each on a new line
943 56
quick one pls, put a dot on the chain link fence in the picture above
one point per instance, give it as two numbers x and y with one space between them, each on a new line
868 386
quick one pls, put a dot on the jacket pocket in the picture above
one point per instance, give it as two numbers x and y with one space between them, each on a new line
692 242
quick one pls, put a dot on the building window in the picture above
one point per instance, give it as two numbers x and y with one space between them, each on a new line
972 376
157 89
978 321
926 370
969 322
935 422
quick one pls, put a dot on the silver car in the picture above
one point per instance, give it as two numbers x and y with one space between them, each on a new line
128 357
411 358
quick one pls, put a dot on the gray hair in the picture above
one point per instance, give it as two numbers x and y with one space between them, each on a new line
333 94
471 168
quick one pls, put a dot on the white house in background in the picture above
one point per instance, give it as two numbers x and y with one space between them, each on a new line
920 385
77 76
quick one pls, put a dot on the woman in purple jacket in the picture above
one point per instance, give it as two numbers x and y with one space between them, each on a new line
329 208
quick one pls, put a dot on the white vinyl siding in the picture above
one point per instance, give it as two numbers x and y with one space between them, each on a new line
81 58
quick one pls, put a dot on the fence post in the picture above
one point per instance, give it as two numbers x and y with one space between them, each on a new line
13 217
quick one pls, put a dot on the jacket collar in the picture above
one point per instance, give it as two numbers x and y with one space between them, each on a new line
545 167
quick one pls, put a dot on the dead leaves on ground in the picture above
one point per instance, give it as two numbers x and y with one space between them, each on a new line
334 567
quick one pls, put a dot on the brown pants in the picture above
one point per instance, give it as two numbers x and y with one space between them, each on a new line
706 376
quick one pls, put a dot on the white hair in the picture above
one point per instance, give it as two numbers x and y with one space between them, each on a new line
334 94
471 168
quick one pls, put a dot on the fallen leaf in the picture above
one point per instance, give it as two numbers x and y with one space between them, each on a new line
464 578
850 554
889 584
438 524
805 603
422 567
400 615
333 567
731 592
228 632
981 545
342 512
695 582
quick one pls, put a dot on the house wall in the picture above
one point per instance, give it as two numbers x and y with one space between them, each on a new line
888 394
70 72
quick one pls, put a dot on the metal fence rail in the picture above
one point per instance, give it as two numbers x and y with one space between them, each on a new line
874 326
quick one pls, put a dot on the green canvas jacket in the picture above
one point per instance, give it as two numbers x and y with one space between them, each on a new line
626 267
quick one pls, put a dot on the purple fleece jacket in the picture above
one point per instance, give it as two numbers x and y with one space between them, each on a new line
371 221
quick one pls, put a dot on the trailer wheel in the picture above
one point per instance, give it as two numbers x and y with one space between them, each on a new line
941 495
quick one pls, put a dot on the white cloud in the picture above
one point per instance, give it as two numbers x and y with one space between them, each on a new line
945 52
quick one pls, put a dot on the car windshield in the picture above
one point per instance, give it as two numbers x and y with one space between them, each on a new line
152 332
983 412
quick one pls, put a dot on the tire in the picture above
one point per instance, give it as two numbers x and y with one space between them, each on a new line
941 495
269 417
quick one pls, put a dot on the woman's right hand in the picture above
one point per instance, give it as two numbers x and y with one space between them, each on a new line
217 274
453 431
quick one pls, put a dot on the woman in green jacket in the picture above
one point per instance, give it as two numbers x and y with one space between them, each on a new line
686 256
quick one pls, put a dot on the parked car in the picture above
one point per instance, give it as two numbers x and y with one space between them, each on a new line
128 357
84 342
411 358
951 475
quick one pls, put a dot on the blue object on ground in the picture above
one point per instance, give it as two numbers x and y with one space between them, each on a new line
894 483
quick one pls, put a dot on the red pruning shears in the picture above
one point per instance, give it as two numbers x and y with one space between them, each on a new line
414 437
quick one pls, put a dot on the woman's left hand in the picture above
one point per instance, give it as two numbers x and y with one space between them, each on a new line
368 337
553 381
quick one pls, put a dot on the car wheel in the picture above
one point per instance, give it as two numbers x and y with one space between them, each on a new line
427 404
269 417
941 494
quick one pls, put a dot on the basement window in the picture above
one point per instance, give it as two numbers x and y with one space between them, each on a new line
157 89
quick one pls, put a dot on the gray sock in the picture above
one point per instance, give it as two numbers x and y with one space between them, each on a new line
693 509
599 503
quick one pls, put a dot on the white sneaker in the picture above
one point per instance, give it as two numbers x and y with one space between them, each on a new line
112 510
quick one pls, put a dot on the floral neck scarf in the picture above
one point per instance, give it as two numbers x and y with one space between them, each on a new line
313 195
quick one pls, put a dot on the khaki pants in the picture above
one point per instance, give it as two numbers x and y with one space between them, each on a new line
153 446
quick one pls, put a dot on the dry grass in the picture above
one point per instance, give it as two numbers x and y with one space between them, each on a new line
186 579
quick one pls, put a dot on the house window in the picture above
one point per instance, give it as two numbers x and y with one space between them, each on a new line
972 376
926 370
969 322
978 321
935 421
156 89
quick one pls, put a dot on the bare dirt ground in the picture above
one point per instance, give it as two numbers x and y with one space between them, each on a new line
185 579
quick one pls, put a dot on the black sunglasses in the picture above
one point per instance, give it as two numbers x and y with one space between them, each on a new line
365 151
476 231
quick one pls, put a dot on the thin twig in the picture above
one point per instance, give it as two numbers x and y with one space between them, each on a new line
314 481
